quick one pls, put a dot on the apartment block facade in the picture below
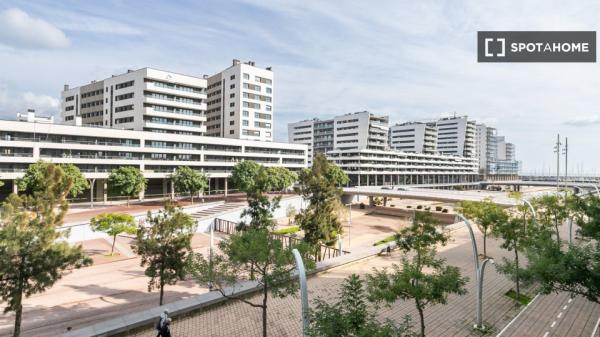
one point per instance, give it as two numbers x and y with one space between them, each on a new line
240 103
415 137
143 100
487 148
456 136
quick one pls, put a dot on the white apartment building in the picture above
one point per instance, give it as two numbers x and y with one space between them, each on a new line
377 167
487 148
415 137
240 103
359 130
456 136
99 150
143 100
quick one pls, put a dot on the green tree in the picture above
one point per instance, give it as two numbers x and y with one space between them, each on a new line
350 316
320 185
187 180
242 175
515 232
251 254
551 212
575 269
33 253
423 278
165 245
113 224
281 178
486 214
34 179
126 181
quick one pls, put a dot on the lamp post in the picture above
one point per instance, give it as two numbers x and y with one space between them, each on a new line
526 202
339 240
479 269
211 250
303 290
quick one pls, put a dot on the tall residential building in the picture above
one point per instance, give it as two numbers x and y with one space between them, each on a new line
456 136
143 100
354 131
416 137
486 148
506 151
240 102
506 164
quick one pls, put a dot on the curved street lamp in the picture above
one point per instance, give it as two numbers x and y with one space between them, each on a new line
479 270
303 290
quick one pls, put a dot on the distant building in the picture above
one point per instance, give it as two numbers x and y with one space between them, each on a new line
30 116
486 147
142 100
240 102
456 136
416 137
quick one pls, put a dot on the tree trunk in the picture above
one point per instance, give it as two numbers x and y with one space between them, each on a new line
192 197
18 314
162 287
127 201
557 233
264 310
421 317
112 249
517 275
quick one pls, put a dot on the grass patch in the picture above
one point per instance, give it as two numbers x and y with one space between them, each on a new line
522 300
287 230
386 240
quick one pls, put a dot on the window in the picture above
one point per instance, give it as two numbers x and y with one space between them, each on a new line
232 77
246 76
232 104
124 85
122 97
231 122
269 108
70 98
269 90
69 108
231 132
245 113
124 120
232 86
124 108
244 122
231 113
232 95
69 118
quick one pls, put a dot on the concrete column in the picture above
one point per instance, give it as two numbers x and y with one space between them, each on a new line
384 201
165 186
371 201
358 180
367 180
15 188
141 195
101 190
225 187
172 189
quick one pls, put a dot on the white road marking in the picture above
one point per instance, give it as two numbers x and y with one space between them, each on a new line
546 334
570 300
559 315
565 307
553 324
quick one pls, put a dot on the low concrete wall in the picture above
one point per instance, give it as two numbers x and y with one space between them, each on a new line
404 213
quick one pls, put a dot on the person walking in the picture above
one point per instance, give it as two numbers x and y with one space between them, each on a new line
165 331
162 320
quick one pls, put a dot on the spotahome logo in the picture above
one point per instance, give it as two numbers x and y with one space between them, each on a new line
536 46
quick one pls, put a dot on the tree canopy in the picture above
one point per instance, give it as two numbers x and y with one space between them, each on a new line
34 179
126 181
113 224
188 180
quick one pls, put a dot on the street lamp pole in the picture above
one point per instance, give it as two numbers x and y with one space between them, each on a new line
479 269
349 221
211 250
303 290
526 202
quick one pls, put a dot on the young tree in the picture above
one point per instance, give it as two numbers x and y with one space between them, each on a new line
35 179
551 212
33 254
187 180
515 232
251 254
126 181
290 212
243 173
486 214
350 316
423 278
165 246
320 185
113 224
575 269
281 178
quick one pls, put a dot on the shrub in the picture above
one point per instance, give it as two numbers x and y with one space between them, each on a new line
392 205
386 240
420 207
438 208
445 210
408 206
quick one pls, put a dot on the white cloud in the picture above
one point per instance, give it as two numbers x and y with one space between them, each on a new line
18 29
13 102
584 121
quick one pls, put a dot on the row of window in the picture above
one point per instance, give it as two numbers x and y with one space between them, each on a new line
124 120
124 96
91 93
124 85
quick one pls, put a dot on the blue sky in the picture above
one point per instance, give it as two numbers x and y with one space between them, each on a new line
407 59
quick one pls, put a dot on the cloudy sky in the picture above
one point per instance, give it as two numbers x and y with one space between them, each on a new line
411 60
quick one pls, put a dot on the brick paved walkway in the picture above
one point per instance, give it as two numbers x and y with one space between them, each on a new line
455 319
